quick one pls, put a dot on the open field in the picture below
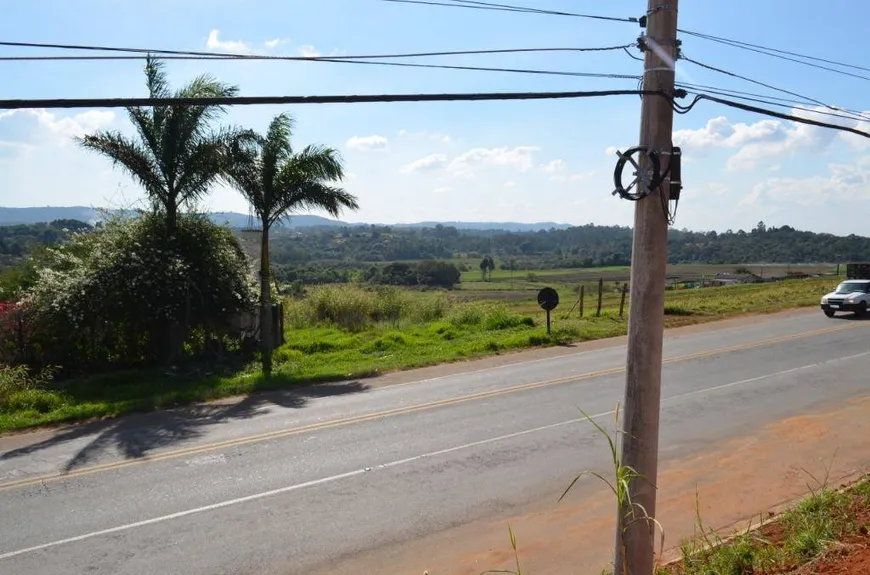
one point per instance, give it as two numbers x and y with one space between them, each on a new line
345 332
516 285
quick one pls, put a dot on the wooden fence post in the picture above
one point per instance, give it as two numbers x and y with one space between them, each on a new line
600 295
582 290
622 301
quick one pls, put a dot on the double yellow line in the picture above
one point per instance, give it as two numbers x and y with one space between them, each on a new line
399 411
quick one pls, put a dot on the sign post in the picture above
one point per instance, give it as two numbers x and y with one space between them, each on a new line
548 299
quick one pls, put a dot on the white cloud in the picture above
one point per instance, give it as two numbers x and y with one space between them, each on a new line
430 162
510 184
233 46
843 183
755 142
367 143
554 166
274 43
308 51
57 130
571 178
443 189
520 157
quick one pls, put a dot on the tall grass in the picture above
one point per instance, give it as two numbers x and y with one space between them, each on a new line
804 534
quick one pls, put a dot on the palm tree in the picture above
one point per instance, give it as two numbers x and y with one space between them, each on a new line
176 156
277 182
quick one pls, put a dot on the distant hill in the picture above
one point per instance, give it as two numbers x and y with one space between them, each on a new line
13 216
502 226
35 215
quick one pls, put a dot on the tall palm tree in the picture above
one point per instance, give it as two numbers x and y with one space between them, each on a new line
176 155
277 182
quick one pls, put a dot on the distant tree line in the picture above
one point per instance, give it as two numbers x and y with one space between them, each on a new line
340 254
577 247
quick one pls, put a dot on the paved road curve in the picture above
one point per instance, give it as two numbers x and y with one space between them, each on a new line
291 483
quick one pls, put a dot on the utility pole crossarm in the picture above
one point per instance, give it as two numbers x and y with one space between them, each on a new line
634 552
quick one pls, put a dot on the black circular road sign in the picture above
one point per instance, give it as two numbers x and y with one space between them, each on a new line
548 299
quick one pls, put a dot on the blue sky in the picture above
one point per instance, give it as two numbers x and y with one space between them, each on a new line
496 161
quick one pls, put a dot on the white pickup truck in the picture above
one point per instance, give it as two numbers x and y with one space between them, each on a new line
851 295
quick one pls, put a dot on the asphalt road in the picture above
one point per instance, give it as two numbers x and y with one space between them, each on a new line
291 483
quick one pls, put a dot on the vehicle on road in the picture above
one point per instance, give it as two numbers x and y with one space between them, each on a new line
850 296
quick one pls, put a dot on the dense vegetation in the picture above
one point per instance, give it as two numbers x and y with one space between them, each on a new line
166 288
318 255
583 246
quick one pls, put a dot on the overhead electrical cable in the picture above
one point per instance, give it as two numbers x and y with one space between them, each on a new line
762 100
746 45
370 63
222 55
348 99
749 108
797 61
769 86
52 103
477 5
356 59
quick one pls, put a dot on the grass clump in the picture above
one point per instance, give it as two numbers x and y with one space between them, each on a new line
801 535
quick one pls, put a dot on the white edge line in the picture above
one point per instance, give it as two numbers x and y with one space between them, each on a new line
392 464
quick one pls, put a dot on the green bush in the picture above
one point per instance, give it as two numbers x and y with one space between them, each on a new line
499 319
347 307
430 309
285 354
18 385
129 293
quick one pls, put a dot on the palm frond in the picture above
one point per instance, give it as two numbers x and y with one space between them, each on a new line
317 163
199 168
144 122
158 87
243 170
276 149
133 157
310 195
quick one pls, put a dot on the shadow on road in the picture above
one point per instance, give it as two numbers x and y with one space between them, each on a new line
134 436
852 317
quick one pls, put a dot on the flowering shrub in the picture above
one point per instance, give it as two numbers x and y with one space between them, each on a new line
12 332
108 297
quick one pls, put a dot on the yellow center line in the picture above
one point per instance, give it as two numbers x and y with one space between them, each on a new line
197 449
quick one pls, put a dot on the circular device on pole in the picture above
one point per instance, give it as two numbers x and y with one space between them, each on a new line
548 299
646 178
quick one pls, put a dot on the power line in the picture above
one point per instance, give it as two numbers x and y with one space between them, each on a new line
385 98
762 100
477 5
741 44
771 113
55 103
772 54
765 97
769 86
356 59
363 62
224 56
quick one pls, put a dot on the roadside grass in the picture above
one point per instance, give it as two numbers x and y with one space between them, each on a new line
806 533
347 332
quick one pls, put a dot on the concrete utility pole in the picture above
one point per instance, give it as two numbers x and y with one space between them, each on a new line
634 552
